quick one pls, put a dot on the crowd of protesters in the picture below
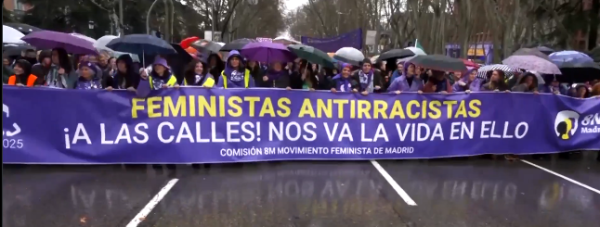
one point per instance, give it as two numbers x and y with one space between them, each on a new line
56 68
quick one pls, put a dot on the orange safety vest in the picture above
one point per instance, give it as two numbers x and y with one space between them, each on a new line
12 80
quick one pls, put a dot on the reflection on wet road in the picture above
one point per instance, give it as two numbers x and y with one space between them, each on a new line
303 194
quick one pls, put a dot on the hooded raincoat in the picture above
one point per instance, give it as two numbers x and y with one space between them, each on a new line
406 83
239 77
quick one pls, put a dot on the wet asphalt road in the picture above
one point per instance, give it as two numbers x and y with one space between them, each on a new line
448 193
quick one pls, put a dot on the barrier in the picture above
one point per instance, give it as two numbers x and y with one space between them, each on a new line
197 125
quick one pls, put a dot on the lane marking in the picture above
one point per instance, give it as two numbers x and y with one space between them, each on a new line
562 176
394 184
141 216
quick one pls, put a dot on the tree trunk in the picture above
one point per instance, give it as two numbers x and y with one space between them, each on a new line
594 24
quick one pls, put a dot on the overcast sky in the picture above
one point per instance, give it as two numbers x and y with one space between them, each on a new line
293 4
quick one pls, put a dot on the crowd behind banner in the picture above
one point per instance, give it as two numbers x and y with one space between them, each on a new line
57 69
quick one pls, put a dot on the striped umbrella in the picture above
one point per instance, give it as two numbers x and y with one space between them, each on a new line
482 72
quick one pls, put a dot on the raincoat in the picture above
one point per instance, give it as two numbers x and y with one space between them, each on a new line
405 83
232 78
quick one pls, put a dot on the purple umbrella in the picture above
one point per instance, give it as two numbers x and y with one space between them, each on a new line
267 52
532 63
50 39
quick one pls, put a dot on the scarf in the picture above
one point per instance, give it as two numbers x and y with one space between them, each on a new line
53 79
89 84
366 80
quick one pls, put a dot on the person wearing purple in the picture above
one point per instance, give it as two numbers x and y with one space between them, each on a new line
344 82
88 78
408 82
275 77
235 74
552 85
468 83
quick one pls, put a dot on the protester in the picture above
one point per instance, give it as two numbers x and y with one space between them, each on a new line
496 82
275 77
88 78
468 83
408 82
235 74
160 76
596 92
369 78
44 65
256 71
344 82
31 56
111 68
581 91
215 65
62 74
308 80
7 70
125 76
23 76
552 85
196 75
438 83
401 68
527 83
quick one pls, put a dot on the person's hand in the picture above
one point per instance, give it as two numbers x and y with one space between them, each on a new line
109 88
556 92
144 74
398 92
164 86
288 88
354 90
468 91
377 87
20 84
365 93
131 89
61 71
311 89
333 90
176 86
419 92
536 92
496 90
507 91
265 78
443 92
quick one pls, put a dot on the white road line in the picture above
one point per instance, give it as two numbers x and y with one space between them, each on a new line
562 176
153 202
393 183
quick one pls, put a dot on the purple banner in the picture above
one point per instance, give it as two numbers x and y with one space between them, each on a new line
333 44
196 125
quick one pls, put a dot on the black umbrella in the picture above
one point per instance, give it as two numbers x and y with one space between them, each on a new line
23 28
237 44
395 54
141 44
439 62
205 45
13 49
544 49
578 72
178 61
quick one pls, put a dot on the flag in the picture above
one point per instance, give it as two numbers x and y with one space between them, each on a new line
418 45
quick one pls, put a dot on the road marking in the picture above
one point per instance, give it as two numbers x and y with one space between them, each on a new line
393 183
562 176
153 202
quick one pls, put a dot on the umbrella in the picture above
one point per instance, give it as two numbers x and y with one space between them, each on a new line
349 55
482 72
50 39
237 44
141 44
470 63
395 54
23 28
267 52
531 52
205 45
187 42
579 72
90 39
569 56
439 62
374 59
11 35
102 41
544 49
531 63
311 54
15 49
416 50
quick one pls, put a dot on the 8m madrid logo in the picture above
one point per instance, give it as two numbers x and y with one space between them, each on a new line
9 136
